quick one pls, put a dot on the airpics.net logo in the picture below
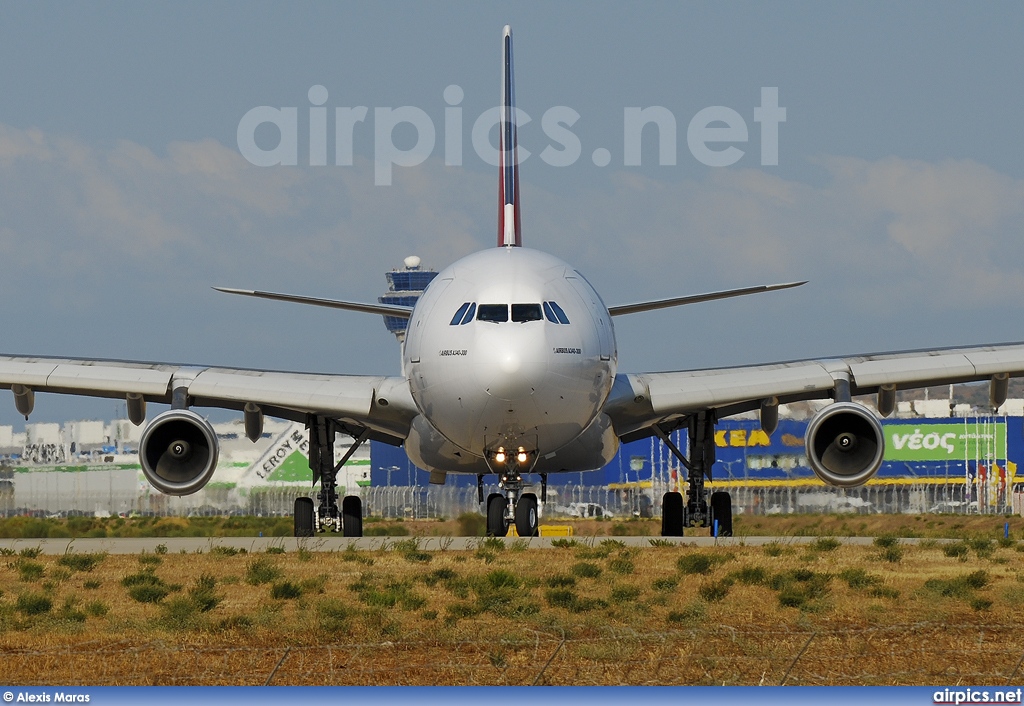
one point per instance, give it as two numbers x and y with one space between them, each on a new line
715 135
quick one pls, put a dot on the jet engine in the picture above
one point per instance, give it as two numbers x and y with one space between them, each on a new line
845 444
178 452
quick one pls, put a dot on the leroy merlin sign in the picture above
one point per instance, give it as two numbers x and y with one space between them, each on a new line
944 442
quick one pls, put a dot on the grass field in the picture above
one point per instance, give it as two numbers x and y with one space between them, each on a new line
473 524
590 611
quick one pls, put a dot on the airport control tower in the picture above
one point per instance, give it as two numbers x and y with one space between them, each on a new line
404 288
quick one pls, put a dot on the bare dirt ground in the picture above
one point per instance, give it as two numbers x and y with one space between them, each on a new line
588 612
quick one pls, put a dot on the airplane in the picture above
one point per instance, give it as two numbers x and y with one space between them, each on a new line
510 368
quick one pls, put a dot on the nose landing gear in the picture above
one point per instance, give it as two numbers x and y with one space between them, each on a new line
511 506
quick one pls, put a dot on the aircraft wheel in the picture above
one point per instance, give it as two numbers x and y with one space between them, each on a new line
303 517
352 516
497 526
672 515
721 510
526 515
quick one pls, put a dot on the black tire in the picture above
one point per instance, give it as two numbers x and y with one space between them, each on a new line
721 510
496 524
303 517
352 516
672 515
526 515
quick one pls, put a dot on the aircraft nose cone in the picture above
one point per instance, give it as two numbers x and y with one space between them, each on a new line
509 367
510 363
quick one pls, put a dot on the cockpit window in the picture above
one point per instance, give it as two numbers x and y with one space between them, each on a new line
457 319
495 313
554 313
526 312
469 314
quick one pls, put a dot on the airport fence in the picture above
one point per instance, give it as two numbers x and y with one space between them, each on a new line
105 493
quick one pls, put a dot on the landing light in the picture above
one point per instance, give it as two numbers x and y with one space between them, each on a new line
500 456
521 456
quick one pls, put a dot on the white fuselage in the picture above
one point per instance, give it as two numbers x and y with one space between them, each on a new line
491 361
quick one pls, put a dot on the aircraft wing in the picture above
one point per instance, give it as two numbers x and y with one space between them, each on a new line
382 404
640 401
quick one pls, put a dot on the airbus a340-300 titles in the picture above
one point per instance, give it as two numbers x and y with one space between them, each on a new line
510 368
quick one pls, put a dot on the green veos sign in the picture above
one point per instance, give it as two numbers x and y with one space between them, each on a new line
944 442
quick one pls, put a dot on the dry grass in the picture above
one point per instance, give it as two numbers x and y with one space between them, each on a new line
497 616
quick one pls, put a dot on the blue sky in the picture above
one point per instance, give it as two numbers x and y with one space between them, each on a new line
899 191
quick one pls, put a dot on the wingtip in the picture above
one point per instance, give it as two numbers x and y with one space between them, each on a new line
507 31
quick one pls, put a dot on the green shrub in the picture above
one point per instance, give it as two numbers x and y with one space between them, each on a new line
81 562
700 562
956 550
886 541
586 569
221 550
29 571
502 579
438 575
715 591
982 546
562 543
202 593
693 613
979 603
621 565
142 578
33 604
566 598
260 571
858 578
750 575
825 544
333 616
893 554
180 613
962 586
625 594
148 592
665 585
561 581
285 590
92 584
30 552
96 609
277 550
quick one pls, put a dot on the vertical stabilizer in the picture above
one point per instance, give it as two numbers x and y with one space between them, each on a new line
508 174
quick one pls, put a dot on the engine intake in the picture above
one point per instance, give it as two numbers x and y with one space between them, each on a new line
178 452
845 444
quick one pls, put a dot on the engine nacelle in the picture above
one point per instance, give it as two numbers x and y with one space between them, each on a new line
845 444
178 452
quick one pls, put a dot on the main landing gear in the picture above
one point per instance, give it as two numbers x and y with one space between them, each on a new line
326 517
512 506
696 511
